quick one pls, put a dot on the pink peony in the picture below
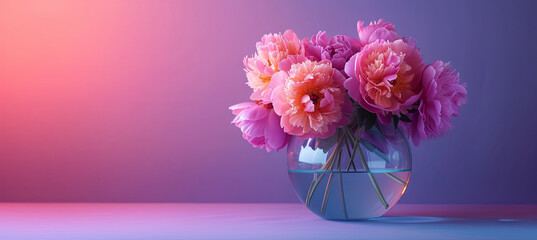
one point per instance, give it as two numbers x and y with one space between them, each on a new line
442 96
260 125
384 78
338 49
376 31
311 99
272 49
276 47
258 73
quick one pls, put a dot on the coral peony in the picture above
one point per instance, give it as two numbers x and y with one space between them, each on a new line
385 78
258 73
442 96
271 50
311 99
260 125
376 31
338 49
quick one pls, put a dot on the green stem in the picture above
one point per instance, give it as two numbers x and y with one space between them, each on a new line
351 161
371 177
313 186
355 142
326 194
396 179
343 205
342 197
329 163
337 151
376 152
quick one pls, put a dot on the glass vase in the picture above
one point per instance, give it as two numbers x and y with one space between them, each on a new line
358 173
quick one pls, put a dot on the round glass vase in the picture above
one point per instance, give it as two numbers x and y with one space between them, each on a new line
358 173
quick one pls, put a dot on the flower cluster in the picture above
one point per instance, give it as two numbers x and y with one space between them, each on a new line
308 88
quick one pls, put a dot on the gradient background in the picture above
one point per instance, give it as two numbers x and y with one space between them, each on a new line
126 101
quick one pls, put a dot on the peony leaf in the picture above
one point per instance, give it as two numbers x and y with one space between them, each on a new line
405 118
366 118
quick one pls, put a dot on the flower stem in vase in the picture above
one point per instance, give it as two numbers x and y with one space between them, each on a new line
312 188
355 142
328 165
327 193
343 204
396 179
366 167
337 151
378 152
351 161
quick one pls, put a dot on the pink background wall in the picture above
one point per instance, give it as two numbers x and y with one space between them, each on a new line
127 100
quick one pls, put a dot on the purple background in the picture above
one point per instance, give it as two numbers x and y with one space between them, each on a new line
127 100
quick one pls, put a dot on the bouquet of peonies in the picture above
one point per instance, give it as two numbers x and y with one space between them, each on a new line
313 88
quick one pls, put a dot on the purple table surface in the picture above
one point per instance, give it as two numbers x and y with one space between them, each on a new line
258 221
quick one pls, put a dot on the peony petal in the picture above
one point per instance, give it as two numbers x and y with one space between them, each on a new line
428 75
352 84
278 79
241 106
292 42
338 63
363 32
279 101
339 78
285 64
376 31
255 141
253 128
379 33
258 94
254 113
308 105
328 99
275 137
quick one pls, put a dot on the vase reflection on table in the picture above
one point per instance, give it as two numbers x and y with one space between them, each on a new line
350 178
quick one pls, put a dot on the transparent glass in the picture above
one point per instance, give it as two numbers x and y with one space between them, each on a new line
355 174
